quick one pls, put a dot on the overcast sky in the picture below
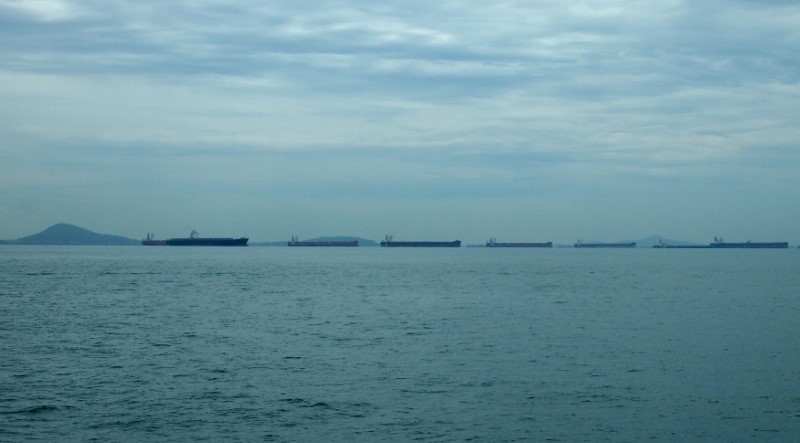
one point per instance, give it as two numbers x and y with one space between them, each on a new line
524 120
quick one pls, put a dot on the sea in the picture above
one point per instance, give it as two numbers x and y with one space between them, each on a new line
271 344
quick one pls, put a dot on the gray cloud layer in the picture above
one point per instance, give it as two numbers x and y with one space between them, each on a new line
585 108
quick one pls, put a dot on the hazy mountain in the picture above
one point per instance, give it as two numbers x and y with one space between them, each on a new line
66 234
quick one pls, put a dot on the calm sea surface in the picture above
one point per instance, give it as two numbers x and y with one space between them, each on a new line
371 344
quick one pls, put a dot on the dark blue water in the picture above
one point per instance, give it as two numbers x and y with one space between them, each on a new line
370 344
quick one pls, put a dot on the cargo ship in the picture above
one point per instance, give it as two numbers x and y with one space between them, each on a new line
581 244
663 245
194 239
493 243
720 243
151 241
296 242
390 243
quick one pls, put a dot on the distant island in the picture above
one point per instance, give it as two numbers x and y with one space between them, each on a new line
66 234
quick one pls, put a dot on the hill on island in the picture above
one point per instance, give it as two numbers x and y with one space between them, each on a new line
66 234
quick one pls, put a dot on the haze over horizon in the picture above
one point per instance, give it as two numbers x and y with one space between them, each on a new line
527 121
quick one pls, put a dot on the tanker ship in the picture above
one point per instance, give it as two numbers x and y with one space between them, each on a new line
664 245
151 241
493 243
194 239
296 242
390 243
581 244
720 243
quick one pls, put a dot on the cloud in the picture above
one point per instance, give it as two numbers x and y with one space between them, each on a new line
517 98
43 10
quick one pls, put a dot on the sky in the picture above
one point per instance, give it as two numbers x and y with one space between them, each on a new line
523 120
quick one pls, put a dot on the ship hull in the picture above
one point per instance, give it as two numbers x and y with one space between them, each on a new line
750 245
519 245
421 244
206 241
606 245
194 240
323 243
